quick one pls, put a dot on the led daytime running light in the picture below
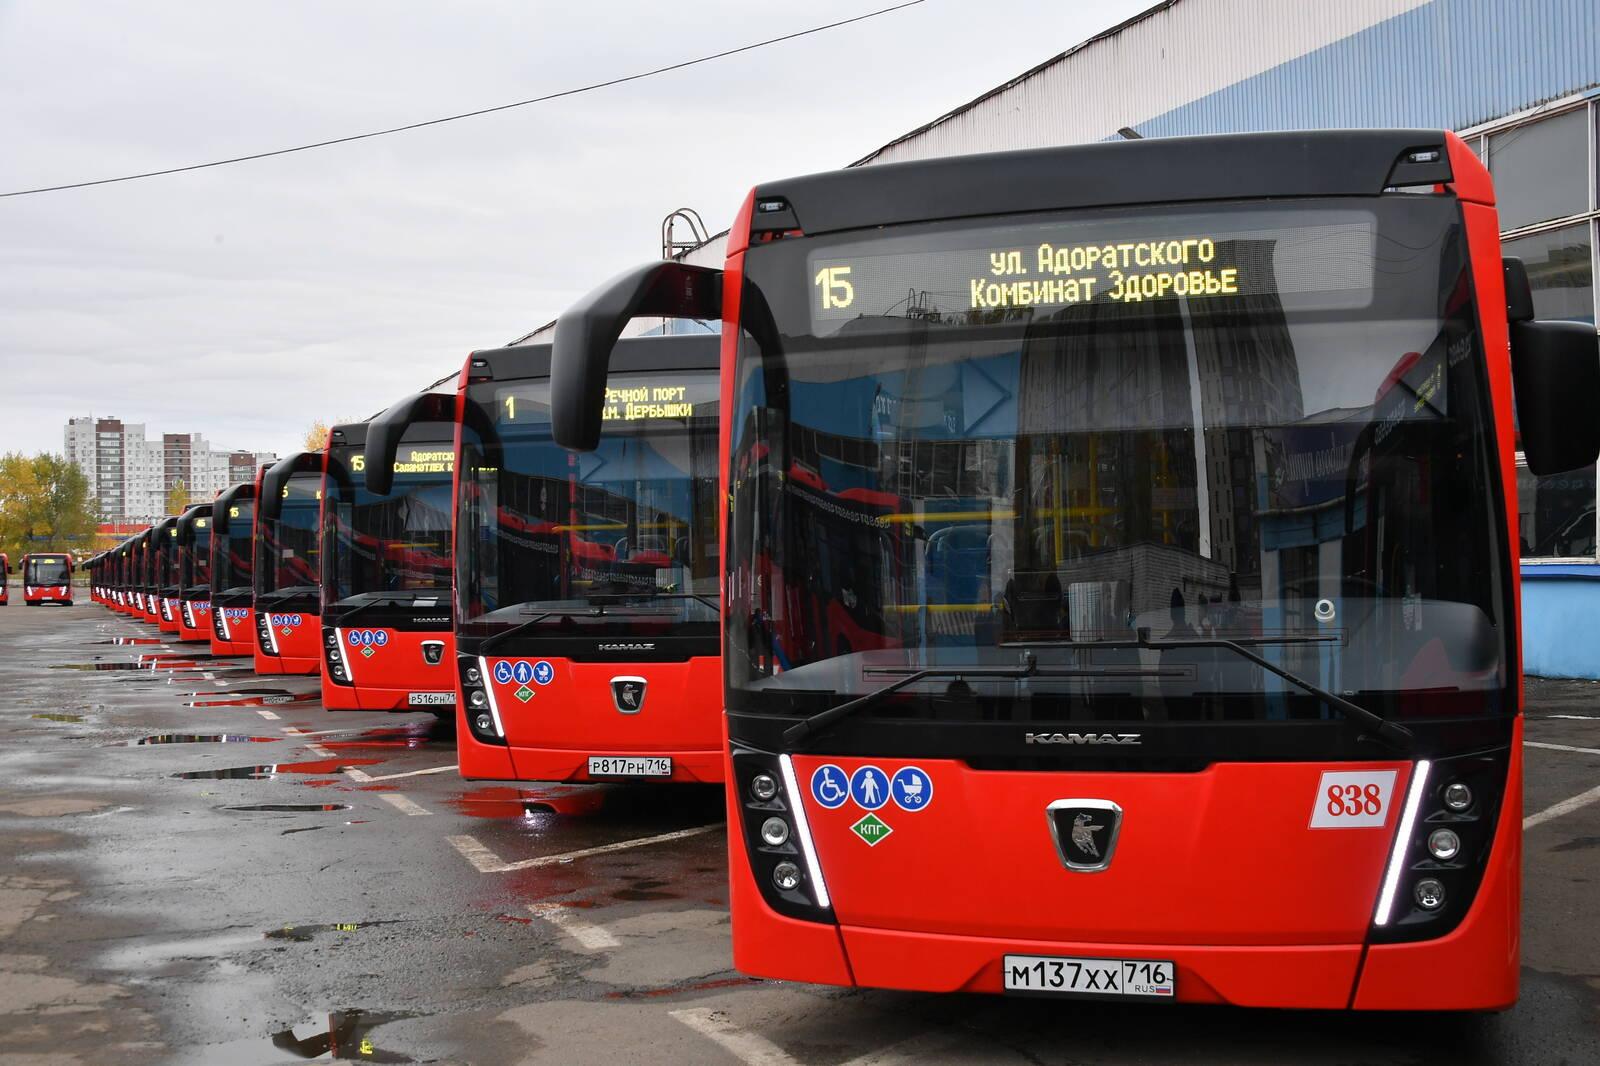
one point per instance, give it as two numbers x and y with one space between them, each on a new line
802 829
349 674
488 687
1402 842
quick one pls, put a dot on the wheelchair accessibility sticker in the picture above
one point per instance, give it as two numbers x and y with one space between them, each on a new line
829 787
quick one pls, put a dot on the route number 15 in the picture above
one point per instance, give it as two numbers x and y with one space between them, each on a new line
834 283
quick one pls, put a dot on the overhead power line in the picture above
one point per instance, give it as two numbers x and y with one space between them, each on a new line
472 114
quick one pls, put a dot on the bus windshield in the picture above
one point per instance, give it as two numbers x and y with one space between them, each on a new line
288 544
622 541
196 562
48 570
233 563
1084 439
389 544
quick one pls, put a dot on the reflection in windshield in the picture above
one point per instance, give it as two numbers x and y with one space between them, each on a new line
394 543
287 545
926 482
622 540
232 560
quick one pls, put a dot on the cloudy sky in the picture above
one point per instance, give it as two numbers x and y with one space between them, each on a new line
245 302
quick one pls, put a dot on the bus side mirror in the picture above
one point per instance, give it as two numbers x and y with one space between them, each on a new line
1555 374
585 334
385 431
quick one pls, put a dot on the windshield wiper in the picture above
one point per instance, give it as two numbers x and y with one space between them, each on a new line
521 627
1395 734
390 599
619 598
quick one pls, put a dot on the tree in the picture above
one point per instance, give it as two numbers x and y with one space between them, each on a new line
177 497
44 505
317 436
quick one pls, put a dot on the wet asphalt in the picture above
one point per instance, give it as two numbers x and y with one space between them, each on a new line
198 865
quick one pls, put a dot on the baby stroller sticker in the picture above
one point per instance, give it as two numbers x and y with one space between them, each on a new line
912 788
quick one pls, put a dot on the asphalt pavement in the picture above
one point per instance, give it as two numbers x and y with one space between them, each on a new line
198 865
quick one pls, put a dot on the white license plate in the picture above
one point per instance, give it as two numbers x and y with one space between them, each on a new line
431 699
630 766
1154 978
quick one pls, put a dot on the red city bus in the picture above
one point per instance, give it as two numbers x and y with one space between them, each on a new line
586 588
122 588
194 574
145 566
288 584
233 513
1110 366
47 578
387 642
5 579
91 566
164 572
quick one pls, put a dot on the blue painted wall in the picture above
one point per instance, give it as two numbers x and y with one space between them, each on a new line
1449 64
1559 604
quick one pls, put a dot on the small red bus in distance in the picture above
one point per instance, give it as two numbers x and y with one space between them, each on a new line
5 579
164 572
288 582
586 587
233 627
47 578
122 569
386 638
194 574
91 567
1194 668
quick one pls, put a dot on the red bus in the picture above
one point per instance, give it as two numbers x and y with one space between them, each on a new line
91 566
145 597
47 578
386 636
5 579
194 574
233 514
586 588
164 572
122 581
288 583
1200 662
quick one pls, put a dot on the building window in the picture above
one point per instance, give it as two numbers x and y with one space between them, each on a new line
1541 169
1560 266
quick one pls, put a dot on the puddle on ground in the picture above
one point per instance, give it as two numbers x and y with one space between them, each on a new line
258 701
302 934
340 1035
269 770
97 666
59 717
200 738
126 641
504 801
253 690
289 808
416 735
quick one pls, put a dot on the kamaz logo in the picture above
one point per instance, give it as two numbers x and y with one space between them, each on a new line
1081 738
648 645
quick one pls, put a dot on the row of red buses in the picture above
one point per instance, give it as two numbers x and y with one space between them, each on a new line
1217 695
586 598
385 612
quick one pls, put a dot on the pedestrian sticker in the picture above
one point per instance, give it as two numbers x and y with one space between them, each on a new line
912 789
524 694
543 672
522 671
502 672
828 786
869 787
872 829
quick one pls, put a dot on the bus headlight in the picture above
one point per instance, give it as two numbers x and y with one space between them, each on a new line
775 831
763 787
1430 894
786 875
478 698
1444 845
1457 796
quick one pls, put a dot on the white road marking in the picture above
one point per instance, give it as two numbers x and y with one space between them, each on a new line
1570 717
402 804
320 752
1566 806
410 773
1560 747
590 937
268 715
488 862
750 1048
355 773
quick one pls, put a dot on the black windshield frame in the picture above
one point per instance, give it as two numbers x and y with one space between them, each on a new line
770 285
358 526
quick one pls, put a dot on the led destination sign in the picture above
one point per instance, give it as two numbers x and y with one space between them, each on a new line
1051 267
677 397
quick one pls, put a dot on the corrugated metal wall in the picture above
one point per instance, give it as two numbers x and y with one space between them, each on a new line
1210 66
